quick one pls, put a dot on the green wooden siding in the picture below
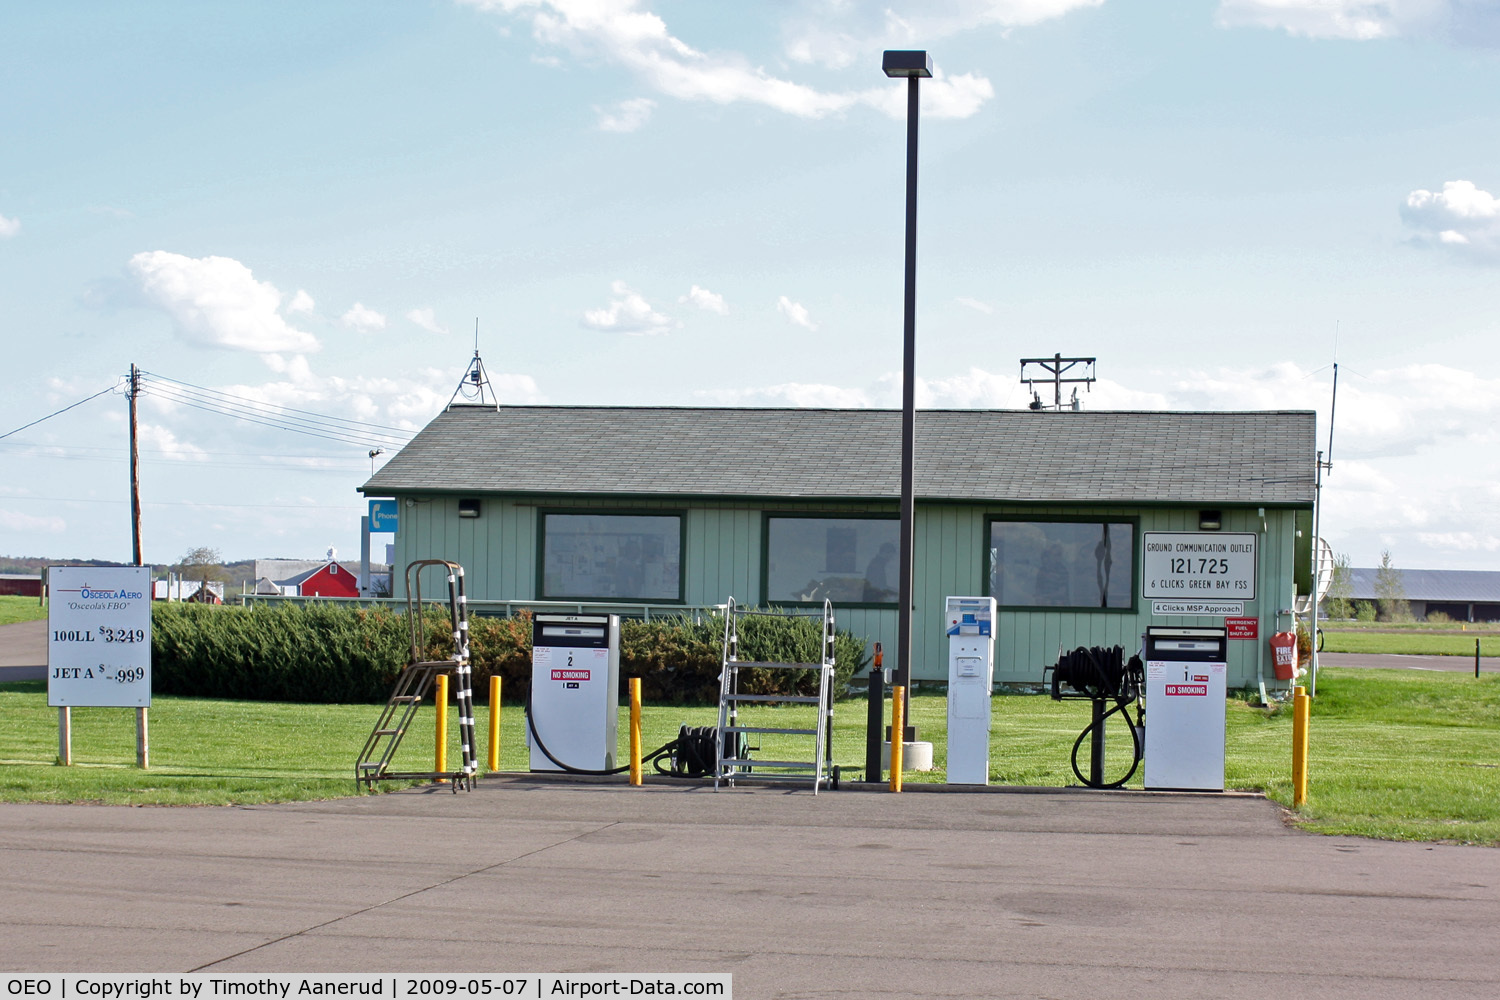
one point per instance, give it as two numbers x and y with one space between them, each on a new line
722 558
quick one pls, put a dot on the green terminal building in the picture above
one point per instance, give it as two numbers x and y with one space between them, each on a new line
1086 526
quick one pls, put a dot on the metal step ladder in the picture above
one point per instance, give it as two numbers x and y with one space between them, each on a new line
416 680
733 749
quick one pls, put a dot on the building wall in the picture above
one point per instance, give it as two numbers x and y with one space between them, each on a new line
722 558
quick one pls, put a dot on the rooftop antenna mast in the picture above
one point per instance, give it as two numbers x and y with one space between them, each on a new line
1324 464
475 389
1056 369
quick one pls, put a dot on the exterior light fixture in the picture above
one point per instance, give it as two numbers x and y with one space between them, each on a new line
898 62
914 66
1210 520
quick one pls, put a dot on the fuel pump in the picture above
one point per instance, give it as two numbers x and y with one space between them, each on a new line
575 684
1186 676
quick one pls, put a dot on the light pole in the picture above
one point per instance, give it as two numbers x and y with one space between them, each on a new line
914 65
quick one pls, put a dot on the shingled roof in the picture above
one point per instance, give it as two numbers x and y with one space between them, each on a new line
1263 458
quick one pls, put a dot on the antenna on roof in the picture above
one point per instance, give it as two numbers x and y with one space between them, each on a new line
475 388
1056 368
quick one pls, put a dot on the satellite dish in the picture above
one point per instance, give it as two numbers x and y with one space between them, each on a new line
1325 568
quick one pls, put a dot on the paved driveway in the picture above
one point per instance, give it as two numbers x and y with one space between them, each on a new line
23 651
850 894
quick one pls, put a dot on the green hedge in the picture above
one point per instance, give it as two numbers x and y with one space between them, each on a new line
328 653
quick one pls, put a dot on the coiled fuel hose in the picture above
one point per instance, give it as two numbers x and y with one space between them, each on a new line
1122 706
694 752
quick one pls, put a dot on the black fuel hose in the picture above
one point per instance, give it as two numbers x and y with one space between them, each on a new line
654 755
1122 706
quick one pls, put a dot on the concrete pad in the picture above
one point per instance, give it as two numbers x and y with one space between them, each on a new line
1396 661
1055 893
23 651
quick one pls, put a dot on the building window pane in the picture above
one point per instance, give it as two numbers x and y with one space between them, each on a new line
849 560
1062 564
621 557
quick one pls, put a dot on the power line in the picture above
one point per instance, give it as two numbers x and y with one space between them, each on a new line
328 432
65 409
190 503
342 429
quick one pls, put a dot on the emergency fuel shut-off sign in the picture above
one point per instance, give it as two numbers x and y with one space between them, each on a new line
1198 565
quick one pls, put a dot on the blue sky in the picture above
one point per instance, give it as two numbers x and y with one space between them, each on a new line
677 202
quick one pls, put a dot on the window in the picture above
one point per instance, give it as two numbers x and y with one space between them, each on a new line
618 557
848 560
1063 564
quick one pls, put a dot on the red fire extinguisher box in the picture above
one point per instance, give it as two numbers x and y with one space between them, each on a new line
1284 655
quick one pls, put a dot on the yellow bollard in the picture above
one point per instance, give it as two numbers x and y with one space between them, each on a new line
898 732
635 730
440 700
1301 711
494 760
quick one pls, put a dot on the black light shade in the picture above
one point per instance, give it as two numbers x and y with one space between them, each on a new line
1210 520
468 507
904 62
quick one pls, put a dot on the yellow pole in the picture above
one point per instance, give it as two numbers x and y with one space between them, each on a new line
1301 710
898 731
494 760
440 700
635 730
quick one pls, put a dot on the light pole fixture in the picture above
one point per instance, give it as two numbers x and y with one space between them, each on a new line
914 65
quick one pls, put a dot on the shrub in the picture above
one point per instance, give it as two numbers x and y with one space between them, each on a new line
1439 617
1364 611
328 653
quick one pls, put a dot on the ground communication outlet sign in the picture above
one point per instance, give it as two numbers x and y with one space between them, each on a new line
1199 565
99 636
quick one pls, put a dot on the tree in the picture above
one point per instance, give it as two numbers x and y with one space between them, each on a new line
202 564
1390 591
1338 603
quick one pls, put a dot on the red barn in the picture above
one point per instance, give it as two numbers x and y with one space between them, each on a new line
329 580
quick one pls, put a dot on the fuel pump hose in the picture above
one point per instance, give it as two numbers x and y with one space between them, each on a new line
655 756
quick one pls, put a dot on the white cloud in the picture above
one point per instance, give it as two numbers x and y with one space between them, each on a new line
627 116
426 319
838 33
160 439
620 31
628 313
362 318
301 302
217 301
1460 541
1460 218
795 313
1461 21
976 305
14 521
9 227
706 300
789 394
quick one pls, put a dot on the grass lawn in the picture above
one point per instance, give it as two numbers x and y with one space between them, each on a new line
1394 754
20 609
1446 642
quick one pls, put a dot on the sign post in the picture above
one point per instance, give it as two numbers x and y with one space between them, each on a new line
99 646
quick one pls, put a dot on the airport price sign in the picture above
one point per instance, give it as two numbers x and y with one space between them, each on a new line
99 636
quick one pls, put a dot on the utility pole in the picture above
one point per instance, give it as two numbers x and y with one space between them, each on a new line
1057 367
135 468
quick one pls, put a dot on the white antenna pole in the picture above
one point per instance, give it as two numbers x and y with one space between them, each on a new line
1317 565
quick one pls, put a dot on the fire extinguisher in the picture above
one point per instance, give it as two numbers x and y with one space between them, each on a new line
1284 655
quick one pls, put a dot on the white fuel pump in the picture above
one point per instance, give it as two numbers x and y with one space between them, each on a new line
970 624
575 683
1186 674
